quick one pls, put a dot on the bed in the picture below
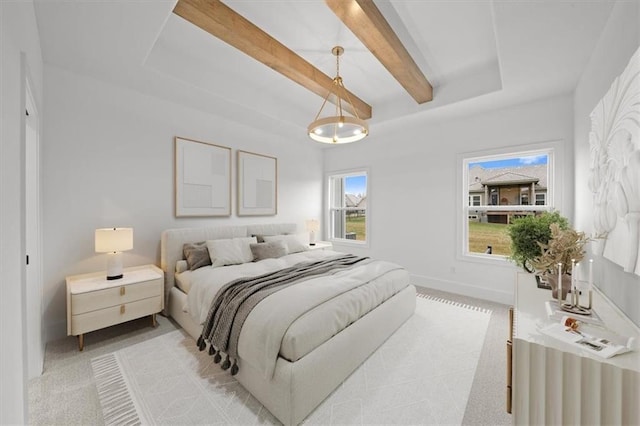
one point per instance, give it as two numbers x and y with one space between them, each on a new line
296 380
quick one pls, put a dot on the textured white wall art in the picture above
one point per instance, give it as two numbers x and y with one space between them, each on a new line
203 179
614 177
257 184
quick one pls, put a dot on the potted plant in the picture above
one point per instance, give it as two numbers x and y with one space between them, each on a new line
564 249
527 231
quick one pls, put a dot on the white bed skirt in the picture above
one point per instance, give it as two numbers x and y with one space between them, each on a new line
299 387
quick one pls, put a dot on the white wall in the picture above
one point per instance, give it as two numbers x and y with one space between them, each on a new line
18 37
109 161
414 190
619 40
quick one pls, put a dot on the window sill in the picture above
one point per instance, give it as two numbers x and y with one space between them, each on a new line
494 260
349 243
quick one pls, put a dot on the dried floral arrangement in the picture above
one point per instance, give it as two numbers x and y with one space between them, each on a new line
564 246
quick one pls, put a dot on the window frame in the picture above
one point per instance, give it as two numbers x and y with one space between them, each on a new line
329 226
552 149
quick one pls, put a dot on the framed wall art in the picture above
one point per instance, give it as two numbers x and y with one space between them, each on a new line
202 179
257 184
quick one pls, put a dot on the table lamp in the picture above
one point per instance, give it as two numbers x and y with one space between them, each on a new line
313 226
114 241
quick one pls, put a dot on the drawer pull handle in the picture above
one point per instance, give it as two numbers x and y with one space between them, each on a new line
121 309
122 291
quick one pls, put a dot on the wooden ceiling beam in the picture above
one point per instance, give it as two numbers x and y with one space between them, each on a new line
224 23
366 21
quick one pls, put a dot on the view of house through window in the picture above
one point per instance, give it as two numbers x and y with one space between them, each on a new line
500 189
348 206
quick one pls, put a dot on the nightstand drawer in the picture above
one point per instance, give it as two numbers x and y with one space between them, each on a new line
115 296
98 319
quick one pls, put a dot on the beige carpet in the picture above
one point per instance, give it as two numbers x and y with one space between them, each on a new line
421 375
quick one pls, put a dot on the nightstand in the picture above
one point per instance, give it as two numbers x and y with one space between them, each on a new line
93 302
321 245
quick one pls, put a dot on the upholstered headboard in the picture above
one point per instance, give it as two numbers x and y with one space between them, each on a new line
173 240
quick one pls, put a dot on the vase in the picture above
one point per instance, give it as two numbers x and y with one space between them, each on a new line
552 279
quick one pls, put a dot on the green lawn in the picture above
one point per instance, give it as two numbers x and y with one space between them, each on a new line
495 235
357 225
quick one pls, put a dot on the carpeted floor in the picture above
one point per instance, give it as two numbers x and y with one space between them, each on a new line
66 392
393 386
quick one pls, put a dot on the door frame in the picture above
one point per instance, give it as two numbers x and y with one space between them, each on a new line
32 303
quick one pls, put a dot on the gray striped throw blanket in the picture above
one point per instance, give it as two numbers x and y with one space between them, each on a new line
235 300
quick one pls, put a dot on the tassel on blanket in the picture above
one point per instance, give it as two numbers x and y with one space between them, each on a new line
226 364
217 358
212 350
201 343
234 368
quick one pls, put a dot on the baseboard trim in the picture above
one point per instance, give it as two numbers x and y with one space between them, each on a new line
462 289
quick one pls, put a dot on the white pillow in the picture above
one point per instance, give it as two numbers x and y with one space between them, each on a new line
181 266
295 242
230 251
183 281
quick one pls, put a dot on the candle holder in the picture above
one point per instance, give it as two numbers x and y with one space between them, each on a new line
574 306
590 305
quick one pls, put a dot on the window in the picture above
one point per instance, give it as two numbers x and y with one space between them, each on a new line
348 206
514 185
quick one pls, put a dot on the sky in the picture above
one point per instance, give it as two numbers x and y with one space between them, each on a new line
512 162
356 185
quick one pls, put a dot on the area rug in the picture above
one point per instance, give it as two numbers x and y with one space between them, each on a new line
420 375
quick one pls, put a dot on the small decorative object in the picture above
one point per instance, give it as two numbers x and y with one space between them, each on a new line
313 226
590 289
559 256
560 288
571 323
574 307
577 288
113 241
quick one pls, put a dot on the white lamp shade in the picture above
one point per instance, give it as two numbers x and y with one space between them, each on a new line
313 225
110 240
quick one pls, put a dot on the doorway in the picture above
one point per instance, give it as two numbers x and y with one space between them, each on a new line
33 241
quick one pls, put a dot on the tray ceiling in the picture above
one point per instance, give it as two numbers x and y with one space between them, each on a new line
476 54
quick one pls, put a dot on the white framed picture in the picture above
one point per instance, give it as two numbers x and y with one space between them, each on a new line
257 184
202 179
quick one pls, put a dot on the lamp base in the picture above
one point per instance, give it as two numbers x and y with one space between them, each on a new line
114 265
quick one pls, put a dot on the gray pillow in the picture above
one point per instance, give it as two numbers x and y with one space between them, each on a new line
196 254
270 250
260 238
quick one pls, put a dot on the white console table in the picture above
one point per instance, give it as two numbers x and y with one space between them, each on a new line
557 383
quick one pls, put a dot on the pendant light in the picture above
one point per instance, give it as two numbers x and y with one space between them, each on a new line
339 128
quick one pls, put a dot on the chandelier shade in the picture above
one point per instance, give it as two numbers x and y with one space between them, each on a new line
338 128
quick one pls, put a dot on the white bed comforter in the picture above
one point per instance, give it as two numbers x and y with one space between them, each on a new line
287 322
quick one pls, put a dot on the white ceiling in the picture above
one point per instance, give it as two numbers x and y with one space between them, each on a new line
477 54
